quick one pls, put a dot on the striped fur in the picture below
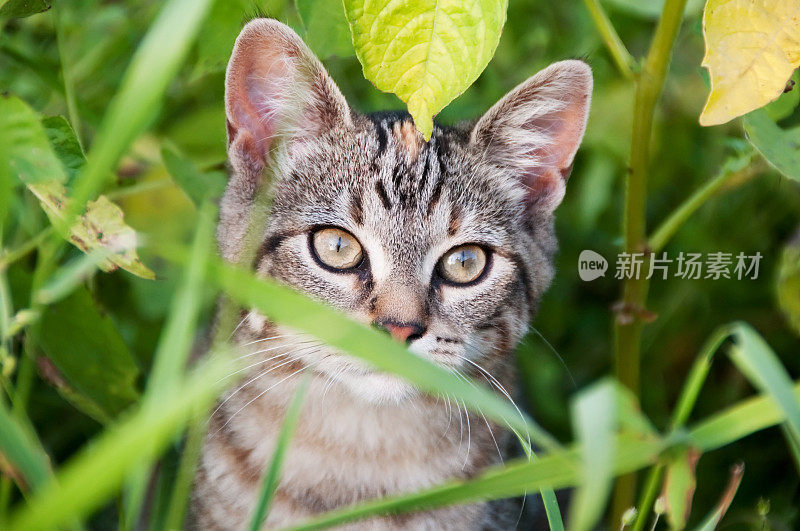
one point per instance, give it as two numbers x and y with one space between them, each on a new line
363 434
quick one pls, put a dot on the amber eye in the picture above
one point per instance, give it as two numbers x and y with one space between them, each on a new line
463 264
336 248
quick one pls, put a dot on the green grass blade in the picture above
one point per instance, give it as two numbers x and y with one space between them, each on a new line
175 342
22 451
184 479
561 468
551 509
758 362
154 65
558 469
300 312
272 474
104 463
594 413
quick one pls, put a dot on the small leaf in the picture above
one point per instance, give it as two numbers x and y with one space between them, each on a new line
426 52
101 225
752 48
25 152
788 284
780 147
196 184
23 8
65 144
679 486
95 370
327 31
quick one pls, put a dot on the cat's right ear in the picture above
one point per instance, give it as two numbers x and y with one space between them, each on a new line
276 90
536 129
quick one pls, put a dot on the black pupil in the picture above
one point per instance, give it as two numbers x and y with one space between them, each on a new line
339 244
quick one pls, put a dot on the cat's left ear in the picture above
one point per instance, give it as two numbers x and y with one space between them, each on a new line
276 89
536 129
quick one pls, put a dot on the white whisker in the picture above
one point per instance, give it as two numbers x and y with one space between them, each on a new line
259 395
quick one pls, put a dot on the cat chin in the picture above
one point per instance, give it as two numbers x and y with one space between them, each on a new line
378 388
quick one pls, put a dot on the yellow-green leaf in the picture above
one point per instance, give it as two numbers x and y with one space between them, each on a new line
426 52
101 225
752 48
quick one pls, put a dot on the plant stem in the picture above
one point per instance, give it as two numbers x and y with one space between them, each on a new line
670 226
619 53
629 321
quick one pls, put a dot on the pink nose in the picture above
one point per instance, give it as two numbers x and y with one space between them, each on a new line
402 332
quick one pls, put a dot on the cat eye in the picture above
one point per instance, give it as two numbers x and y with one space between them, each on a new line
336 248
463 264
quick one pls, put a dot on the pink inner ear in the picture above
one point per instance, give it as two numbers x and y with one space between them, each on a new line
259 80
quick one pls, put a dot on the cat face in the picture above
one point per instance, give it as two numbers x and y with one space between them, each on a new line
446 244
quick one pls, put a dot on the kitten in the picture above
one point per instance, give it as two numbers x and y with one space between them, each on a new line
447 245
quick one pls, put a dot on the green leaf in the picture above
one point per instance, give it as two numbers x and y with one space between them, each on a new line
679 486
272 474
25 151
788 284
327 30
28 148
91 358
781 148
196 184
23 8
787 102
65 144
594 413
426 52
101 226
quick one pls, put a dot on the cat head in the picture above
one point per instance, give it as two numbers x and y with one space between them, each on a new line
447 244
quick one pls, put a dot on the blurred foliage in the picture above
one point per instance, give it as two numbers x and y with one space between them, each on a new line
157 187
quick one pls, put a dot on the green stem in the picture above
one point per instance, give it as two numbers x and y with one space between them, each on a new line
619 53
629 321
670 226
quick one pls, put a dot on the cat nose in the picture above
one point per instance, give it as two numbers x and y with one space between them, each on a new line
402 332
